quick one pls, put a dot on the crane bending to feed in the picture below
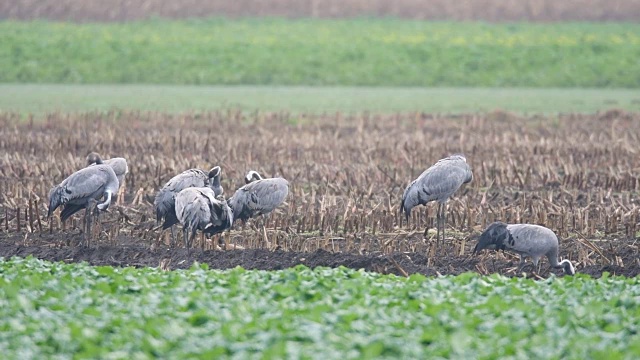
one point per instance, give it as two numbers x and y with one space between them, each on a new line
258 197
437 183
82 188
198 209
529 240
164 203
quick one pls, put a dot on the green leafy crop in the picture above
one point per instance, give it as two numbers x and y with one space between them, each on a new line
56 310
363 52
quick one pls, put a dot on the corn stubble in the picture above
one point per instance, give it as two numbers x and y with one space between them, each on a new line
576 174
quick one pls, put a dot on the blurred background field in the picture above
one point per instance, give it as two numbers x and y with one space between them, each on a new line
362 52
477 10
39 99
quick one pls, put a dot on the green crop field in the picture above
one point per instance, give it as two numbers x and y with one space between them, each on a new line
64 310
322 52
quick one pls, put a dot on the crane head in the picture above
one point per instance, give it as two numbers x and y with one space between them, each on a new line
567 267
214 172
493 237
94 158
457 156
252 176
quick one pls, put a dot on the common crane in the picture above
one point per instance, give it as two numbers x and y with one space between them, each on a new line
118 164
258 197
164 202
198 209
437 183
529 240
83 188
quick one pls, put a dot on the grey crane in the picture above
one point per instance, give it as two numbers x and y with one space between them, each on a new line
164 202
198 209
258 197
529 240
437 183
83 188
118 164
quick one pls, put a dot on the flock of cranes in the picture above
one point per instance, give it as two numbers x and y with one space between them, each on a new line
195 199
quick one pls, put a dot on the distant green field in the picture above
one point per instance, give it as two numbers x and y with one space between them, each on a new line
56 310
322 52
40 99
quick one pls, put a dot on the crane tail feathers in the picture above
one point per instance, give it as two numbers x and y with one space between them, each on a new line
69 210
170 219
164 204
54 200
403 209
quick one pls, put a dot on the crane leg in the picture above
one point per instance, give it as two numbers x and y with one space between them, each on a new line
95 218
536 266
185 236
444 220
438 224
191 238
90 211
521 265
173 237
87 225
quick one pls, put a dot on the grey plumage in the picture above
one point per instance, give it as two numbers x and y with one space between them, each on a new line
118 164
164 202
258 197
437 183
198 209
75 192
527 240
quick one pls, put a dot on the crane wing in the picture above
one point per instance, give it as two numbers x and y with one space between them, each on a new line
87 183
164 202
186 179
438 182
258 197
531 239
266 195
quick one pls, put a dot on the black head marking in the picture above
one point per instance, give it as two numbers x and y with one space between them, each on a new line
94 158
495 236
215 172
252 176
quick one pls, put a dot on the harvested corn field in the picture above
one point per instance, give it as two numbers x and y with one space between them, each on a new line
576 174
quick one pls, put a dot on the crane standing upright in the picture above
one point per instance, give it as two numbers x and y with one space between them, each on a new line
437 183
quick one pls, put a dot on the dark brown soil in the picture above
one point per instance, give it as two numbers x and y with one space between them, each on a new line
48 247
